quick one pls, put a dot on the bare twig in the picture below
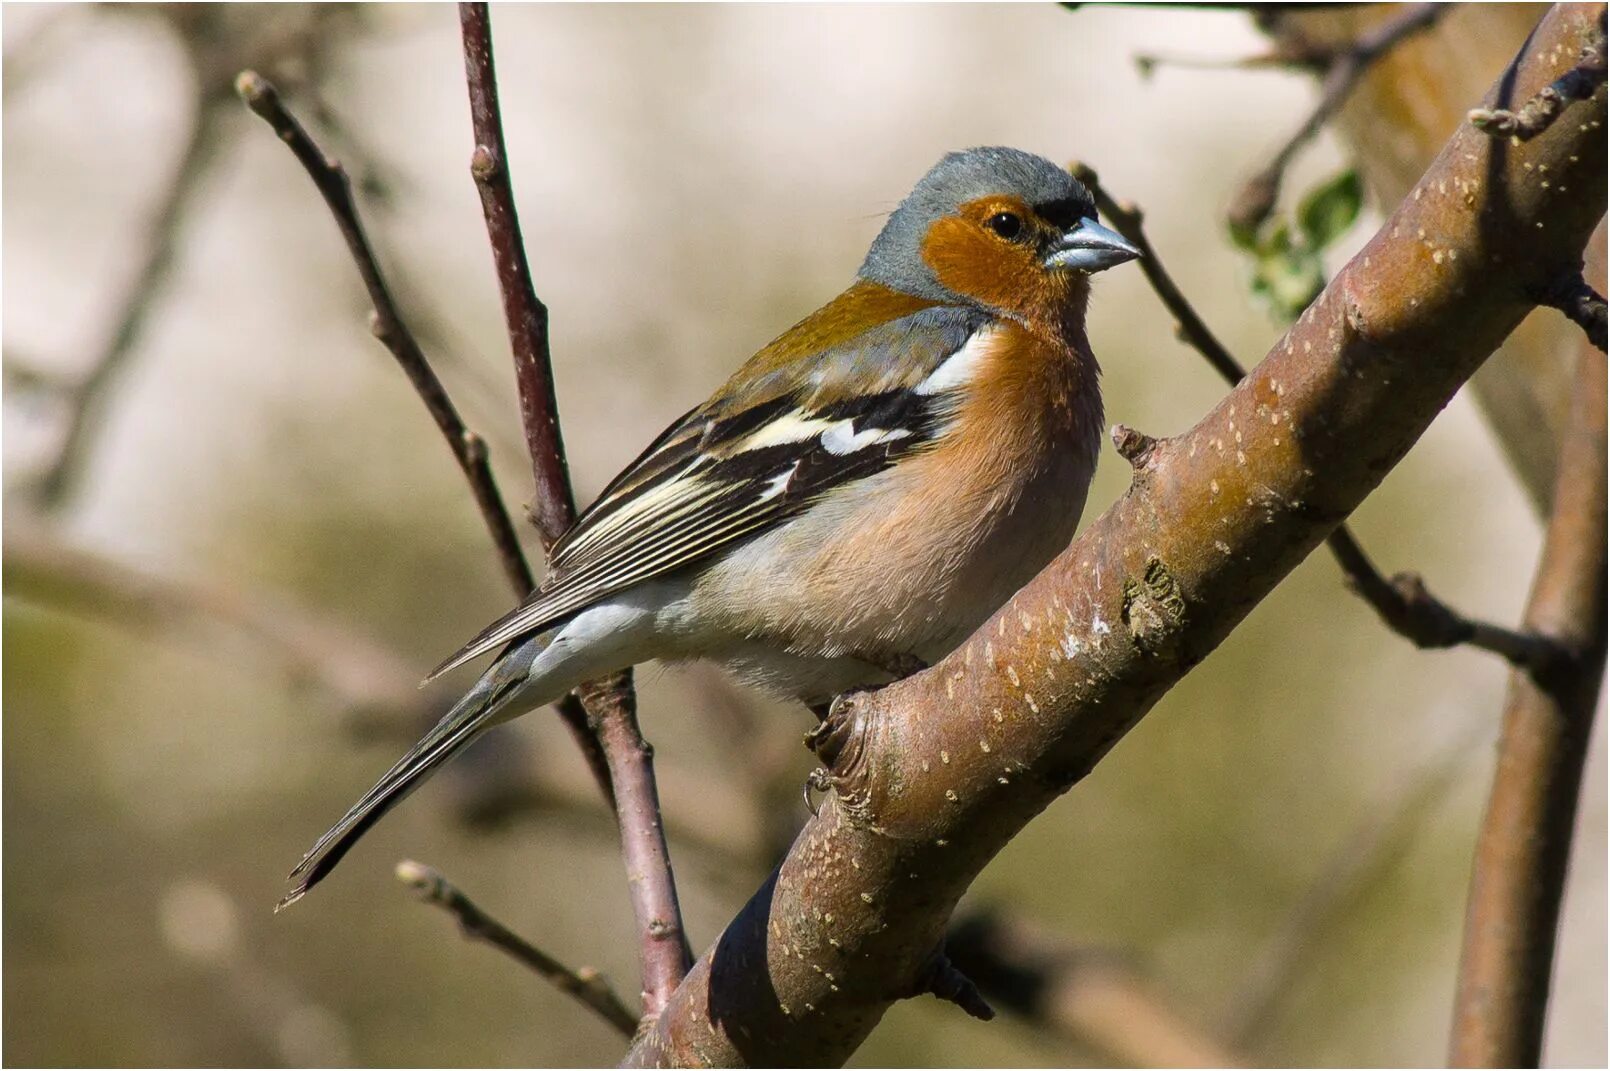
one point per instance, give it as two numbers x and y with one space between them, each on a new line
1256 199
1581 304
662 939
1091 996
611 704
388 326
1518 878
585 984
1402 602
554 508
1539 113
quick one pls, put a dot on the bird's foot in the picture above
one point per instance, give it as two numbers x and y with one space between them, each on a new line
839 742
818 781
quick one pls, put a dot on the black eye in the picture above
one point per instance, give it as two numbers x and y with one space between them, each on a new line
1005 224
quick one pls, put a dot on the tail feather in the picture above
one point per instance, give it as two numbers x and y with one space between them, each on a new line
467 720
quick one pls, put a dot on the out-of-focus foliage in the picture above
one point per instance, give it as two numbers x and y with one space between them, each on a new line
1288 269
692 179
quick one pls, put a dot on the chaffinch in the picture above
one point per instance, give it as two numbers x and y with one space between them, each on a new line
857 499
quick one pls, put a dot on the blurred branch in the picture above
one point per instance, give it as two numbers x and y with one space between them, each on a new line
387 324
1525 841
1364 856
1256 198
611 704
758 752
28 52
86 397
1093 997
213 39
585 984
362 675
934 775
1539 113
1403 603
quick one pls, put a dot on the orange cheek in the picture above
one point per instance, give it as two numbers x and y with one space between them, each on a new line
1000 274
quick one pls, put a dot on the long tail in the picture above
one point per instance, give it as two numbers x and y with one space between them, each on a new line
469 718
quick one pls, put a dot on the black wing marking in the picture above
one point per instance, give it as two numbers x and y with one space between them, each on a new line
708 482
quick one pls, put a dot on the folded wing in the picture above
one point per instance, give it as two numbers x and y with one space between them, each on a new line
723 474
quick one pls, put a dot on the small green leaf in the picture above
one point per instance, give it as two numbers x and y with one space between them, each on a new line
1288 280
1328 210
1244 238
1276 241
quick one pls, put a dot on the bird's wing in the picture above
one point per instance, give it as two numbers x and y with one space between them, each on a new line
727 471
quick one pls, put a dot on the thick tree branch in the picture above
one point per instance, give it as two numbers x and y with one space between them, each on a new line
1538 114
1403 603
935 774
1525 841
586 985
611 705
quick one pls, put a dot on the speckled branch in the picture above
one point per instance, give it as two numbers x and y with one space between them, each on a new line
610 705
1403 603
936 774
1538 114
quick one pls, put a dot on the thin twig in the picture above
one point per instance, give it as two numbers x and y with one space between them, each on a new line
1257 196
585 984
1518 878
1581 304
1402 602
1550 102
611 704
554 508
1091 996
388 326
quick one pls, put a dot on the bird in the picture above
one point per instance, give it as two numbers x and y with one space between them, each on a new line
854 501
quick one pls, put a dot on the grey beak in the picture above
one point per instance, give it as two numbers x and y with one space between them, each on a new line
1090 247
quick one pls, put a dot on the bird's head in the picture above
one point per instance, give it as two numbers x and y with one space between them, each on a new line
995 227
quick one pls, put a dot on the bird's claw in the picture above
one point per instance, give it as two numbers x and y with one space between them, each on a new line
819 780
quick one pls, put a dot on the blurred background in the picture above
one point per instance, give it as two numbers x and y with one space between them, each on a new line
232 549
